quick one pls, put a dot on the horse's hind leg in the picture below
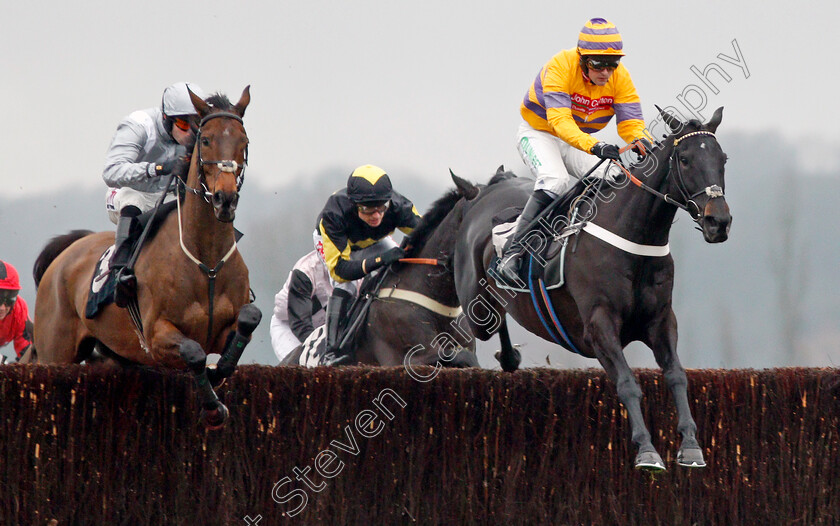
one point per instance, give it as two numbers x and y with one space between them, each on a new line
509 357
662 339
602 336
249 318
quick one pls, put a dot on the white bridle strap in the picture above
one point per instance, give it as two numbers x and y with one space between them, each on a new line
419 299
625 244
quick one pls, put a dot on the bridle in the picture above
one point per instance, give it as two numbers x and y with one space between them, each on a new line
714 191
688 204
225 165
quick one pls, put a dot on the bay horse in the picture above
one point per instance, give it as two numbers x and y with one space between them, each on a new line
619 290
414 317
193 291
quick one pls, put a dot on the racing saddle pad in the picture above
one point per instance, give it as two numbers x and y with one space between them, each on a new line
102 285
314 348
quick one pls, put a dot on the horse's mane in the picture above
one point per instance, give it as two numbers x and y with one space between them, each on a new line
501 175
219 101
431 219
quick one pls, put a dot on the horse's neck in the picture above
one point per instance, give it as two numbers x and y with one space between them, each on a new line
636 214
435 282
205 237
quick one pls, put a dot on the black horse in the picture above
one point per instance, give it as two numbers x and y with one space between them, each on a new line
612 295
414 317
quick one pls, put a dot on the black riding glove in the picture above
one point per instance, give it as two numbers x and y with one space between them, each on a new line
392 255
605 151
642 147
162 168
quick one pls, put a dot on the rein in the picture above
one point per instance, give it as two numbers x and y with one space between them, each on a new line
713 191
423 261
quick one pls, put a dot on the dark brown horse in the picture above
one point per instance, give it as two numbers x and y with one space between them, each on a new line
414 318
193 289
616 290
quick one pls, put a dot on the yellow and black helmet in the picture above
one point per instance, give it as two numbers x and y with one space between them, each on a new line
369 184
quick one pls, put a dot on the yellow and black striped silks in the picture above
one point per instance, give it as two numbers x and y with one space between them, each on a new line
342 231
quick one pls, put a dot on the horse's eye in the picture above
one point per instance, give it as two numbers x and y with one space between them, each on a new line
683 160
205 141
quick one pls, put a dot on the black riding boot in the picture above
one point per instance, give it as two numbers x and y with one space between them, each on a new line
509 263
336 314
126 281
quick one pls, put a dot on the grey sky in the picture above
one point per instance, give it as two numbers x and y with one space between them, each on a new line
425 86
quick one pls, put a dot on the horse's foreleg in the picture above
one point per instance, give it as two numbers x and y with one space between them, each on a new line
249 318
214 412
662 339
509 357
602 336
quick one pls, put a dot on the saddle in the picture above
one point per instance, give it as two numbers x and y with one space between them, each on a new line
556 227
103 281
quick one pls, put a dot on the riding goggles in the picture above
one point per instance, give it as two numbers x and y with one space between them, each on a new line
371 209
182 124
594 63
8 297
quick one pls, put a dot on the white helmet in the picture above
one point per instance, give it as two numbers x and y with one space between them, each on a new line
176 100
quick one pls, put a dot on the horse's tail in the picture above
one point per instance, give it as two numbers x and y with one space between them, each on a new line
54 247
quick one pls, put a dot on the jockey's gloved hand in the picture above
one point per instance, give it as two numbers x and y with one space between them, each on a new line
605 151
181 166
162 168
387 258
642 147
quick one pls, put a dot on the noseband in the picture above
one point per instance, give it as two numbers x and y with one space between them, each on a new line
225 165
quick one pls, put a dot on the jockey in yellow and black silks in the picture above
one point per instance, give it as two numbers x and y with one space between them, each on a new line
573 96
354 231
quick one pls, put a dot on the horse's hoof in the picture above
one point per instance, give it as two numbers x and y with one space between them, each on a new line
214 419
649 461
509 362
691 458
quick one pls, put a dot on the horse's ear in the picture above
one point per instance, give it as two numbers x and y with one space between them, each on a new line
198 103
465 188
500 169
674 123
714 122
244 100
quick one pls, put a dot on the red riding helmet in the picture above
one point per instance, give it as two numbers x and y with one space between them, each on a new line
9 279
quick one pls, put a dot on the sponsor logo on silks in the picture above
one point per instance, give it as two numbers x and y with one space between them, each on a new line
525 146
584 104
102 269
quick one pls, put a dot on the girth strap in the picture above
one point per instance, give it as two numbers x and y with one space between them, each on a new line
419 299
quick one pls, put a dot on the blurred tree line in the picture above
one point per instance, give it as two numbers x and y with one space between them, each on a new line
764 298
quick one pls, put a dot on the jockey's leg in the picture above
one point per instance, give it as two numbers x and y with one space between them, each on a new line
509 264
337 308
127 230
546 157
